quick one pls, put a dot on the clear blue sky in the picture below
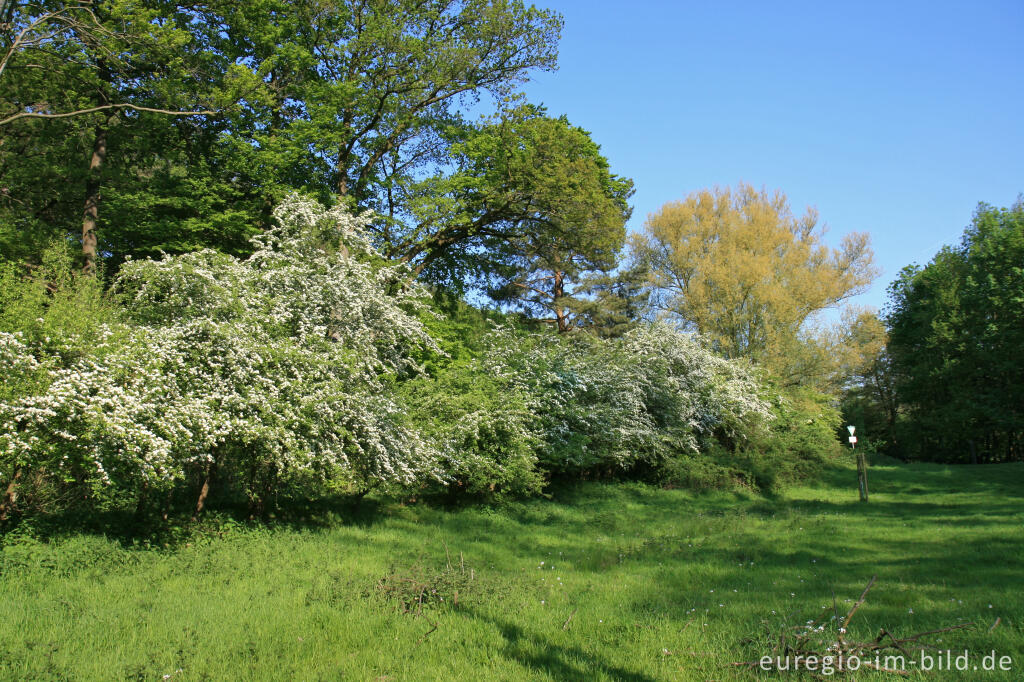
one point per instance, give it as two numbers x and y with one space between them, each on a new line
894 118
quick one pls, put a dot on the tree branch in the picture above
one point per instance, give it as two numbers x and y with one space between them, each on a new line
104 107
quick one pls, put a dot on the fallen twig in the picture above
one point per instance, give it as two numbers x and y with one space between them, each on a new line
433 628
863 596
808 641
565 625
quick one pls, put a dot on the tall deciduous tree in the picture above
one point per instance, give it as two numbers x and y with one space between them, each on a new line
346 100
79 70
737 266
359 92
956 329
869 400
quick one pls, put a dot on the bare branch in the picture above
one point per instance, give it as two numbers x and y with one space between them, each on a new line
79 112
863 596
64 16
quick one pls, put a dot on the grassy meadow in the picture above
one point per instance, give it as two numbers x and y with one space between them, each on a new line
601 582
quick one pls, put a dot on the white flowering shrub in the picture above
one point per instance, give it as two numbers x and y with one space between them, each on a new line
299 365
615 406
255 369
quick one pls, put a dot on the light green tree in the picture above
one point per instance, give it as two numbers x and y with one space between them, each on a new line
737 266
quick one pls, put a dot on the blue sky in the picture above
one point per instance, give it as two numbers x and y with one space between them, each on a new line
893 118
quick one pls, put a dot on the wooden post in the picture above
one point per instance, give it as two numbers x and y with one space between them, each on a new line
862 465
862 476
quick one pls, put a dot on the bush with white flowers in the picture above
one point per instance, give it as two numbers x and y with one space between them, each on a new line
620 405
298 365
258 369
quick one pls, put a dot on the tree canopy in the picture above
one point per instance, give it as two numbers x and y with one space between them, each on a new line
566 213
956 328
737 266
347 100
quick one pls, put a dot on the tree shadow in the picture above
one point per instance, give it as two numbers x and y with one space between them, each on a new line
537 653
150 528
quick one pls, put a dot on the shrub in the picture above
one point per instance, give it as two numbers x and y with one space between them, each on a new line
255 369
801 439
481 429
627 405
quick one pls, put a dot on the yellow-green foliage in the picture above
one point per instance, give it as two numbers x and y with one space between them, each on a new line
53 309
740 268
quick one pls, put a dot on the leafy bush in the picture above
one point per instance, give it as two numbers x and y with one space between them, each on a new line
256 369
802 437
54 311
626 405
481 429
310 367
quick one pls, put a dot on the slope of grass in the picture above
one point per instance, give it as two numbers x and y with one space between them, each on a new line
603 582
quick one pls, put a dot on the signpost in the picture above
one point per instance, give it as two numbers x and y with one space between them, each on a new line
862 465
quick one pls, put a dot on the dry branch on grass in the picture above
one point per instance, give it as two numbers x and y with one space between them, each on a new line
415 589
803 642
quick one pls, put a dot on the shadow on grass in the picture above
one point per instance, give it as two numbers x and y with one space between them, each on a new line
132 529
966 496
537 653
997 480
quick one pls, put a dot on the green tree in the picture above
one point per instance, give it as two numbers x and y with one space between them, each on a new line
344 100
613 303
956 327
737 266
359 96
80 79
869 399
563 213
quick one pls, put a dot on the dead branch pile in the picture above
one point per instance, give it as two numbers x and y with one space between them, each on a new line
826 638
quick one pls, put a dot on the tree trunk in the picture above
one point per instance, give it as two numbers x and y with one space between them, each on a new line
166 510
204 492
344 154
90 215
10 497
255 501
140 503
561 314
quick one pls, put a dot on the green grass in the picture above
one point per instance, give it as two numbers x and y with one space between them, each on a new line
659 584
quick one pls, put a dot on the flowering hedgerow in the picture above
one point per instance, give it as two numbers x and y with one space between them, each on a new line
263 367
635 401
298 364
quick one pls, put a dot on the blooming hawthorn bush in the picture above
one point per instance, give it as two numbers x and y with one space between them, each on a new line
298 364
626 404
256 369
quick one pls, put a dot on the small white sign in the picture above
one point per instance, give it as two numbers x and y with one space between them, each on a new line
853 439
851 429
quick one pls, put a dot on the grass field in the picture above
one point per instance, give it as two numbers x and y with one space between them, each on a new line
603 582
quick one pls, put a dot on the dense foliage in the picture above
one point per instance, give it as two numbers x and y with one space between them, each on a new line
177 325
142 127
310 366
740 268
259 370
956 329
